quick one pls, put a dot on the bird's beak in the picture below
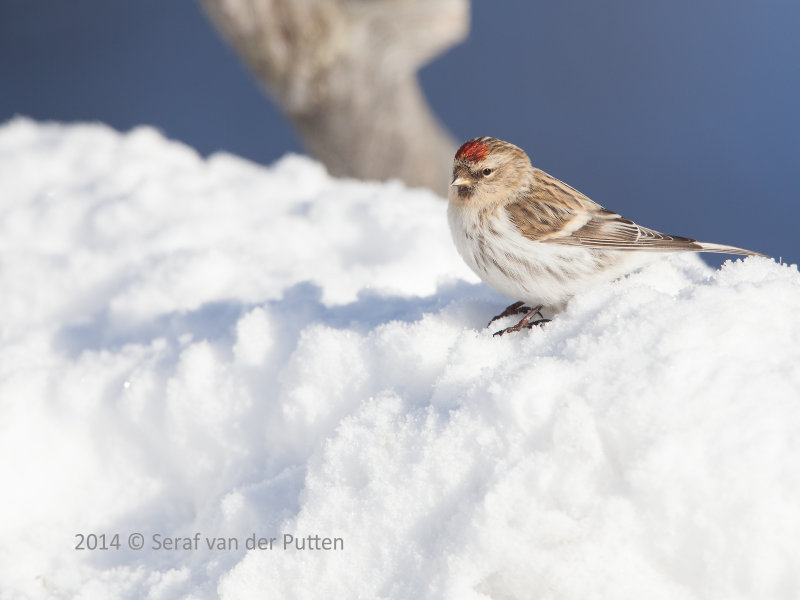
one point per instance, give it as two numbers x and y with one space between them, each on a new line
460 180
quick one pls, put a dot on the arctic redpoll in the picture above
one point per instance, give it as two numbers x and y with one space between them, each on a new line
536 239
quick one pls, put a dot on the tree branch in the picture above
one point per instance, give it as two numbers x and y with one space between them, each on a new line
345 74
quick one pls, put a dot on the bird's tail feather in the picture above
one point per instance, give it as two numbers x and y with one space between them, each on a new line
723 249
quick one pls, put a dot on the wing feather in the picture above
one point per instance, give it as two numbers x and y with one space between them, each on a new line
555 213
605 229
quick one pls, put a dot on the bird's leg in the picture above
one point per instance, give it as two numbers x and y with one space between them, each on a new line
526 322
515 309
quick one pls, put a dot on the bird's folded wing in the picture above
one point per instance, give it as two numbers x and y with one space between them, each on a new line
608 230
556 213
542 219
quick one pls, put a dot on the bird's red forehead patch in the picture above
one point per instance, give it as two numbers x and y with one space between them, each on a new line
473 150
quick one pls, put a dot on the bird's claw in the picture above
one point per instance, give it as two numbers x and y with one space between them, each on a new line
527 322
514 309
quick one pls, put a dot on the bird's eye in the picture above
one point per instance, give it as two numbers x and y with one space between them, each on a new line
487 171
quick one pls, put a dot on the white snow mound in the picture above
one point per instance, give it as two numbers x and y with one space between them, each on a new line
210 347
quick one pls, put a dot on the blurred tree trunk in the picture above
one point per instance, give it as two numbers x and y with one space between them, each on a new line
345 73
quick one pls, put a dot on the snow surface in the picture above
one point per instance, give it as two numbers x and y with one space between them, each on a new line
209 346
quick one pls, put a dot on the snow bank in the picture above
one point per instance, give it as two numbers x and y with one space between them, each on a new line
215 348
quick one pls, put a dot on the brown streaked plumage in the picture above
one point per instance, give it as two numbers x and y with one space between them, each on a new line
538 240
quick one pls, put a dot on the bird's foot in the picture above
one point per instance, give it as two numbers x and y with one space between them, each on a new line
528 321
515 309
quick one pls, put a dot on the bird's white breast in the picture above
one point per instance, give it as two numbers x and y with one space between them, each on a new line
537 273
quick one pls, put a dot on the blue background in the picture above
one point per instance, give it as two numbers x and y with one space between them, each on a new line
681 115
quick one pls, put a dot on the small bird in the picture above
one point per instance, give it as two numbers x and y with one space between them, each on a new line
535 239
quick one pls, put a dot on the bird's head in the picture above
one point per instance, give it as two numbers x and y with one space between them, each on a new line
489 171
